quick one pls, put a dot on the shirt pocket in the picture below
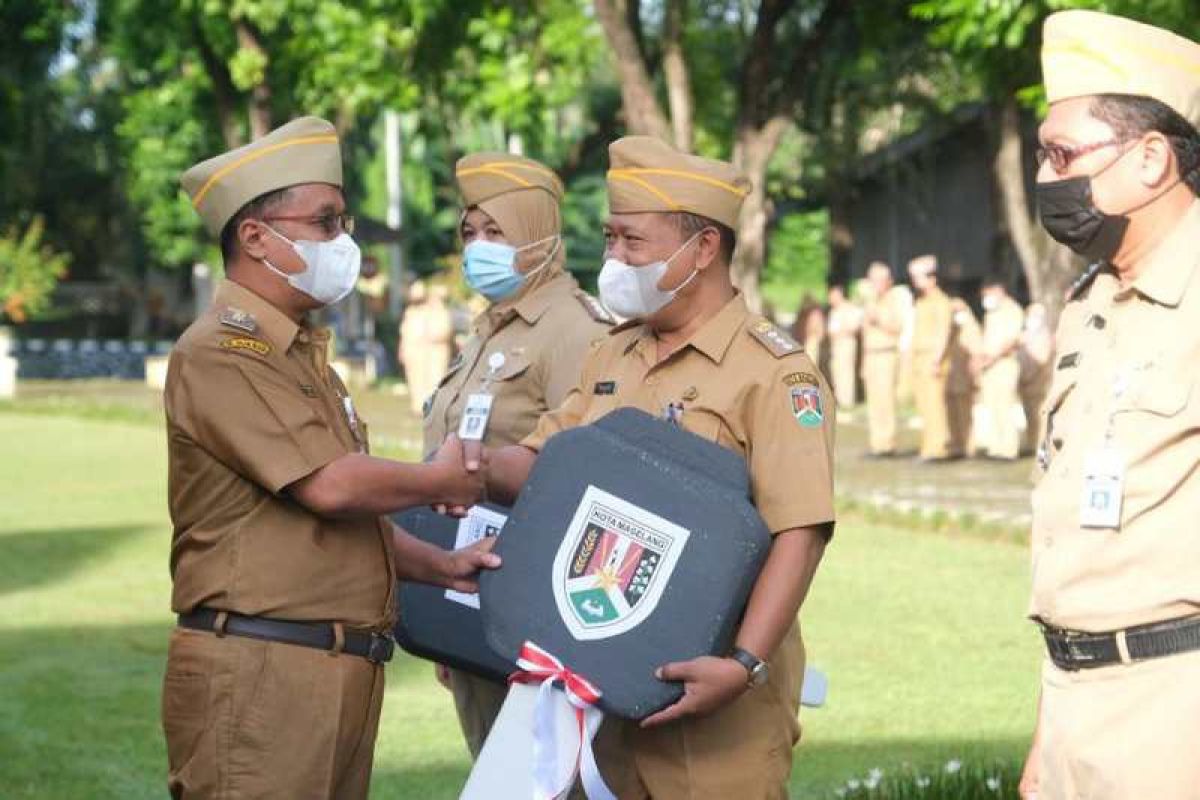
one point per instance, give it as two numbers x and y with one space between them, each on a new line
709 423
1161 392
518 399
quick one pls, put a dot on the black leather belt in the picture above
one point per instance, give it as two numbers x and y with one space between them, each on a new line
1075 650
374 647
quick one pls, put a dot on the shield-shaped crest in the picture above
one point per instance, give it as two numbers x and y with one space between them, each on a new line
613 565
806 405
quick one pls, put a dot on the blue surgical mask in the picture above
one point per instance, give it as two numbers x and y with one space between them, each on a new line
490 268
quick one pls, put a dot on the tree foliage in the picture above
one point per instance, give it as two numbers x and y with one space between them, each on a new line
29 271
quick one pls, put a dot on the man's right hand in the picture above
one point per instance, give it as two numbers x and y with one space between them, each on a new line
459 486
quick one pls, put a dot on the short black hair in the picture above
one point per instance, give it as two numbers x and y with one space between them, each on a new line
255 209
1132 116
690 224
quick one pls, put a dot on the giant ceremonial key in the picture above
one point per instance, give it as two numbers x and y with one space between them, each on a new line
633 543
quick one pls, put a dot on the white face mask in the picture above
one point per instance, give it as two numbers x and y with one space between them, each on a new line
632 292
332 267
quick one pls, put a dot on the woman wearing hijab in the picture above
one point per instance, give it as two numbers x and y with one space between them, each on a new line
526 348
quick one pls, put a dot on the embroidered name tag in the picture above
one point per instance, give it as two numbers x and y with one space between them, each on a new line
244 343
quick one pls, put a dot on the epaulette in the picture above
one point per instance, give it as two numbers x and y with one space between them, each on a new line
1083 282
236 318
775 340
595 308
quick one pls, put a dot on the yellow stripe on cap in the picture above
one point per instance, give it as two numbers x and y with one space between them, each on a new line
254 156
622 175
628 173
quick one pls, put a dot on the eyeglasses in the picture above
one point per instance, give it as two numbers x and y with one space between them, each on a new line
1060 156
330 224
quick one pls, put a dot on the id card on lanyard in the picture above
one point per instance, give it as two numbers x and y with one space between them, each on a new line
1103 490
478 410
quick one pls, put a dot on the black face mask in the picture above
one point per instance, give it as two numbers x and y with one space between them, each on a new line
1071 218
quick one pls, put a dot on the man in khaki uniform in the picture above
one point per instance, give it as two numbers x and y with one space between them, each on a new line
426 341
932 325
525 349
1116 558
283 566
693 352
965 340
845 323
883 323
999 369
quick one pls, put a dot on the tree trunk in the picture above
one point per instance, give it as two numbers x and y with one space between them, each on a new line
1049 267
261 120
752 155
679 84
224 92
642 113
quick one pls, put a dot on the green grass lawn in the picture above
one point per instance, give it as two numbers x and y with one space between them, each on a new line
922 636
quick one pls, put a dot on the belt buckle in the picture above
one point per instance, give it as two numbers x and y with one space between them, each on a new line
380 650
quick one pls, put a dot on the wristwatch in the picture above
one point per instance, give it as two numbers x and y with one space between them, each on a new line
759 670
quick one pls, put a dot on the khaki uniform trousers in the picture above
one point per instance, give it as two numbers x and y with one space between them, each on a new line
843 352
246 718
959 406
742 751
477 701
929 391
880 370
1125 732
998 390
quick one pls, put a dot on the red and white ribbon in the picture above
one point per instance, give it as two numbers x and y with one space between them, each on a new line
556 680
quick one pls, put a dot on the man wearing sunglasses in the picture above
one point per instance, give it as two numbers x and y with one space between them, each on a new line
1116 558
282 561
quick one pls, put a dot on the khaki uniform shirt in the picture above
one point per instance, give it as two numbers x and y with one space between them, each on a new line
933 319
891 313
253 406
543 338
1002 327
744 384
1147 337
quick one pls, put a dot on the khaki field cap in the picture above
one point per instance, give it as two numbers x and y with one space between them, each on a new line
647 174
482 176
305 150
1086 53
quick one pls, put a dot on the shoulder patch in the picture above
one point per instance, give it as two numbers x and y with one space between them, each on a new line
236 318
806 405
246 343
775 340
595 308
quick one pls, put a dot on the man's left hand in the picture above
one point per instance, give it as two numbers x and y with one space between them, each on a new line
708 684
460 568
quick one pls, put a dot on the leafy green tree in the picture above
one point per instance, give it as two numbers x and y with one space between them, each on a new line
29 271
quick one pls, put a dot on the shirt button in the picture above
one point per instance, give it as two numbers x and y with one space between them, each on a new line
1048 541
